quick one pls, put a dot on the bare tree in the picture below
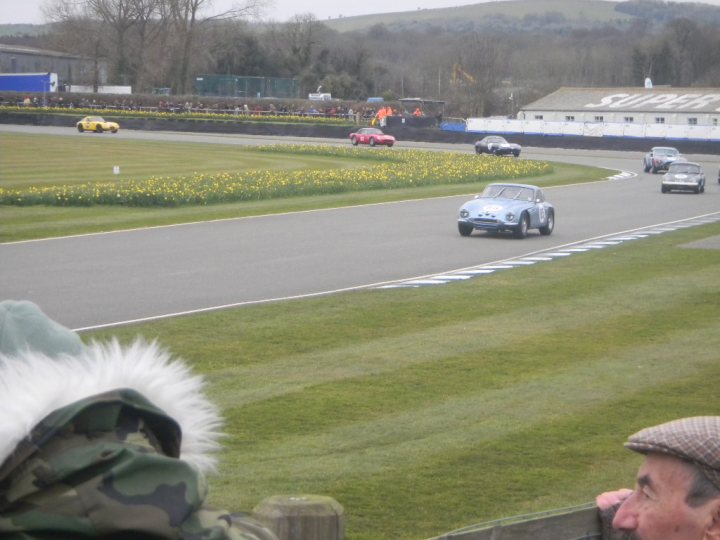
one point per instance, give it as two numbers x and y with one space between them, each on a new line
233 48
187 16
689 47
108 22
149 29
73 20
482 60
119 16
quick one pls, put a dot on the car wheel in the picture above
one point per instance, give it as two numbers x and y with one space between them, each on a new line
80 128
98 129
478 151
390 144
372 141
354 141
516 154
464 229
522 228
549 226
697 190
113 131
654 169
663 189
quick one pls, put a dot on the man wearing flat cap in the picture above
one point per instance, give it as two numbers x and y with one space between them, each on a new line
677 490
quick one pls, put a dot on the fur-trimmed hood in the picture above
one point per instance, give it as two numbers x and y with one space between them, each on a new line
32 385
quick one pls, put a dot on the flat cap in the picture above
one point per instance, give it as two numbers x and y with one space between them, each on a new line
695 439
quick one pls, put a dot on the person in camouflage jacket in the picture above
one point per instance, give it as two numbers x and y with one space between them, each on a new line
103 441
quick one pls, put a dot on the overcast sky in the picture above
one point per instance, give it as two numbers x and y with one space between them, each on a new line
28 11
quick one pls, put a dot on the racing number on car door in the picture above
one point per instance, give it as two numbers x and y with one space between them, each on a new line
543 213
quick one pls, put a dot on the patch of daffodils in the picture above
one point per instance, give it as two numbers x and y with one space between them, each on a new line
393 169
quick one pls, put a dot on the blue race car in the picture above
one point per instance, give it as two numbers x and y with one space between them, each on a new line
507 207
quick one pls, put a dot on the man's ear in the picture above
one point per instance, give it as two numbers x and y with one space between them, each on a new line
713 530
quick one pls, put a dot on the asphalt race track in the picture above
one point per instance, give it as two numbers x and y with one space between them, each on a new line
114 278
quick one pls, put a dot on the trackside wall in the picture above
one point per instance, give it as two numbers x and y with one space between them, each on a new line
673 132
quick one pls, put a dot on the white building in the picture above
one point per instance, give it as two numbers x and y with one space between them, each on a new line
659 105
657 113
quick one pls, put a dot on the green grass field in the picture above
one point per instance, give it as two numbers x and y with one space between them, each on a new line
38 160
424 410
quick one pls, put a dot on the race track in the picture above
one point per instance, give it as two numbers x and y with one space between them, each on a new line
114 278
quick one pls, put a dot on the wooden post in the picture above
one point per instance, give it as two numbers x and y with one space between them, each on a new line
302 517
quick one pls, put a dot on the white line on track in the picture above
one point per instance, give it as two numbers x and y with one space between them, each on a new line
581 246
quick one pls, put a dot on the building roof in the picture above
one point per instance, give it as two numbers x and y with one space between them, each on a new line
18 49
663 99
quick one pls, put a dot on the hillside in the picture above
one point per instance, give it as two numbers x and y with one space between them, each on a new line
520 15
521 12
547 15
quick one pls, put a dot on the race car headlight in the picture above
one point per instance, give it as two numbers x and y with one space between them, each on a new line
509 216
464 213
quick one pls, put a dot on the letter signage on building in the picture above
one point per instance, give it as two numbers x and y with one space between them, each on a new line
656 101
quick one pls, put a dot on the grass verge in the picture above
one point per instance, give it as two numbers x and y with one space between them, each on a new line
424 410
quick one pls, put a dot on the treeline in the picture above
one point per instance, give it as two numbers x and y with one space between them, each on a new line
481 68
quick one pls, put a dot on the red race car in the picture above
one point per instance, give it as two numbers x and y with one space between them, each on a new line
371 136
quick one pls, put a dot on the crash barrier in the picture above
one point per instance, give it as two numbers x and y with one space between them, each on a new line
574 523
453 124
302 517
594 129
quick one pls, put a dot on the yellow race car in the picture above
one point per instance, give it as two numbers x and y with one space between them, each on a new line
97 124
